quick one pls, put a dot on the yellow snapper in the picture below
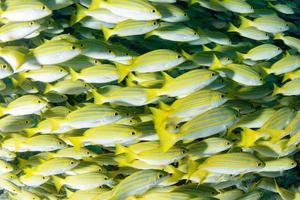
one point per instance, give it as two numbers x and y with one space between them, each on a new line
107 135
104 73
52 167
21 10
206 124
185 84
56 51
130 28
24 105
153 61
82 181
137 183
131 9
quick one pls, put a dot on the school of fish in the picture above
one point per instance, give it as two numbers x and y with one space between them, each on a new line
150 100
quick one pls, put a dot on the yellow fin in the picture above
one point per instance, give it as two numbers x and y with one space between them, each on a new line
58 182
76 141
98 98
123 70
79 14
107 33
167 139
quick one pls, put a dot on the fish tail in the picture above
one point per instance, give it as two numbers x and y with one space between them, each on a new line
48 88
239 56
58 182
95 4
130 155
55 123
107 33
275 90
232 28
21 163
216 63
286 77
98 98
123 70
245 22
122 162
130 80
149 34
278 36
167 139
152 93
28 171
186 55
76 141
79 15
164 106
2 111
74 74
121 149
31 131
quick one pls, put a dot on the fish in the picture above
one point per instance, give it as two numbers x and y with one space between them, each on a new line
130 28
82 181
133 9
23 11
199 127
164 59
107 135
25 105
137 183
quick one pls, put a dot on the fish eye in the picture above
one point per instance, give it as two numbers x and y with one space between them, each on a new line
105 178
278 49
30 23
213 74
126 54
184 14
154 23
195 33
179 56
61 70
109 51
237 115
60 142
160 176
85 85
96 61
130 121
292 163
260 79
228 143
39 101
175 164
4 66
73 47
44 7
44 177
99 170
183 151
81 45
116 114
132 133
176 126
259 164
26 122
222 96
153 11
228 58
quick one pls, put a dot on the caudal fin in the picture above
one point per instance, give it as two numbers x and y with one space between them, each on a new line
167 139
79 14
98 98
76 141
58 182
123 70
74 74
107 33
